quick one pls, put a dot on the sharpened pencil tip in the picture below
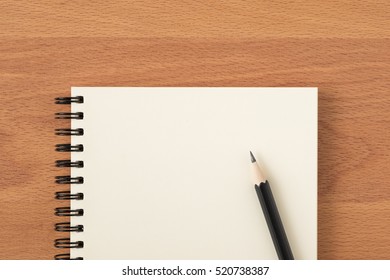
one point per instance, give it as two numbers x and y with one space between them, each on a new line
252 157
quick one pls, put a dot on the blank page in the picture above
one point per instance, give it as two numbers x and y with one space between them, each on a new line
167 171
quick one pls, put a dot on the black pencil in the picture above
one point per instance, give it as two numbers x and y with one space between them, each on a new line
271 214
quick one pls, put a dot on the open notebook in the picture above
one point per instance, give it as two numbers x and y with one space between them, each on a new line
167 171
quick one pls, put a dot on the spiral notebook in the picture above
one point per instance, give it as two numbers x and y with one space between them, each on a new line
164 173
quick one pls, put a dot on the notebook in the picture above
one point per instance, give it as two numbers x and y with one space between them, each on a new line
164 173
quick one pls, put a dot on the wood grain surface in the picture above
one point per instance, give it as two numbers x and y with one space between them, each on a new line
341 47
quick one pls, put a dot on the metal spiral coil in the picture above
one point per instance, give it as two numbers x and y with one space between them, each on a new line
66 257
69 100
67 212
69 132
69 148
69 180
66 243
69 163
66 195
66 227
67 116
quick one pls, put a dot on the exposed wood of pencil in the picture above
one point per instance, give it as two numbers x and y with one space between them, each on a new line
257 175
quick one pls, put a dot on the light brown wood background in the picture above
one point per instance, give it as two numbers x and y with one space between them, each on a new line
342 47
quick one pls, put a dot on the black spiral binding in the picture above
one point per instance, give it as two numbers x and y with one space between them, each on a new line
67 115
69 148
66 243
69 131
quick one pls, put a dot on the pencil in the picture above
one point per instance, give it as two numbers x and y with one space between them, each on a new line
271 213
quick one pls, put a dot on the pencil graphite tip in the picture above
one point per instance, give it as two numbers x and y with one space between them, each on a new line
252 157
258 176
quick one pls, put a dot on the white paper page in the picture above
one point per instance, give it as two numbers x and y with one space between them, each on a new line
167 171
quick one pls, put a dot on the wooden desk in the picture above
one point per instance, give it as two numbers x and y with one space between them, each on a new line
341 48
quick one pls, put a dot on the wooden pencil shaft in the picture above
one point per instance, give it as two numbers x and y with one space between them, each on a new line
274 221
